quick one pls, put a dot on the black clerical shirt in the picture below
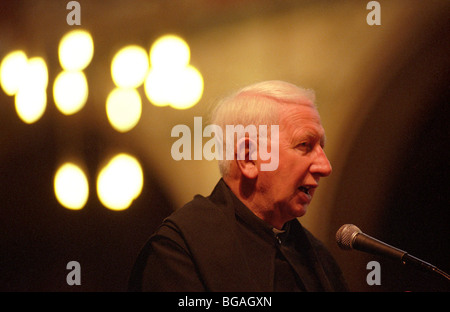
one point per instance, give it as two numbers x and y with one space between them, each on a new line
297 255
291 252
217 244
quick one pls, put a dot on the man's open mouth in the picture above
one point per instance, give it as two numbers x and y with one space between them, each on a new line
304 189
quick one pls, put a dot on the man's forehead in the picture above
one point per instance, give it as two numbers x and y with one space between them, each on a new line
298 115
302 122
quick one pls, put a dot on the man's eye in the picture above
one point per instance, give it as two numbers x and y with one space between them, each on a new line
303 146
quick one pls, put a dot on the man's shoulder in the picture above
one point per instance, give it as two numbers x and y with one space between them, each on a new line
199 208
203 210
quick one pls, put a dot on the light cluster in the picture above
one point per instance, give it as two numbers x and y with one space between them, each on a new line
70 89
26 79
164 72
172 80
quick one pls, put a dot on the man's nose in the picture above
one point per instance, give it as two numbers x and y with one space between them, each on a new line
321 165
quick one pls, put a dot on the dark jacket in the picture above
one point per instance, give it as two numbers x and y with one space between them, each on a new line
217 244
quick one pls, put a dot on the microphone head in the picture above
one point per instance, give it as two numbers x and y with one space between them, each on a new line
345 235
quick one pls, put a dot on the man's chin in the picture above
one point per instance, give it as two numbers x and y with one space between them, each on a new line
299 210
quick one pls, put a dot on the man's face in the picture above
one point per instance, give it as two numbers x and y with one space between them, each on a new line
302 162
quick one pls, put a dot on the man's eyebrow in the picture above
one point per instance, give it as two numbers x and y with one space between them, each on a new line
323 140
319 136
311 135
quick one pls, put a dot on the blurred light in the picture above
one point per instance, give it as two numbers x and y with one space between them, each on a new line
12 69
171 80
71 186
169 51
129 67
181 88
31 96
36 73
120 182
76 50
157 86
30 103
123 108
70 91
189 88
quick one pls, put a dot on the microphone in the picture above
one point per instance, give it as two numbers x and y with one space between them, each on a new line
350 237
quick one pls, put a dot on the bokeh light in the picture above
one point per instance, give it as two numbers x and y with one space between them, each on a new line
169 51
30 103
12 69
180 88
36 73
157 86
123 109
70 91
188 84
171 80
120 182
76 50
129 66
71 186
31 96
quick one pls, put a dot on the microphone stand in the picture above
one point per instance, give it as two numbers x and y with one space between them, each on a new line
424 266
372 245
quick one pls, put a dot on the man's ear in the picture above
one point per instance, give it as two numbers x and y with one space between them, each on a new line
247 157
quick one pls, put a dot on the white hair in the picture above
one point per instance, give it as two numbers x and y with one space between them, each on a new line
257 104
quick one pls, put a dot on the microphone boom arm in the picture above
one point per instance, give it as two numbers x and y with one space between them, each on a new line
350 236
423 266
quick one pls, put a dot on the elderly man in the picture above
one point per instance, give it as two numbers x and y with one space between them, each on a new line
246 236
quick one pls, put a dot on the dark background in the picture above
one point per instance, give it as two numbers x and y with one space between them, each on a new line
383 96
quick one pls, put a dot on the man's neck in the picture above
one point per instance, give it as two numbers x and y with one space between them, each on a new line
249 197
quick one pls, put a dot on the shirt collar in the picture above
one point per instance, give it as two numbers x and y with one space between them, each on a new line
254 222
